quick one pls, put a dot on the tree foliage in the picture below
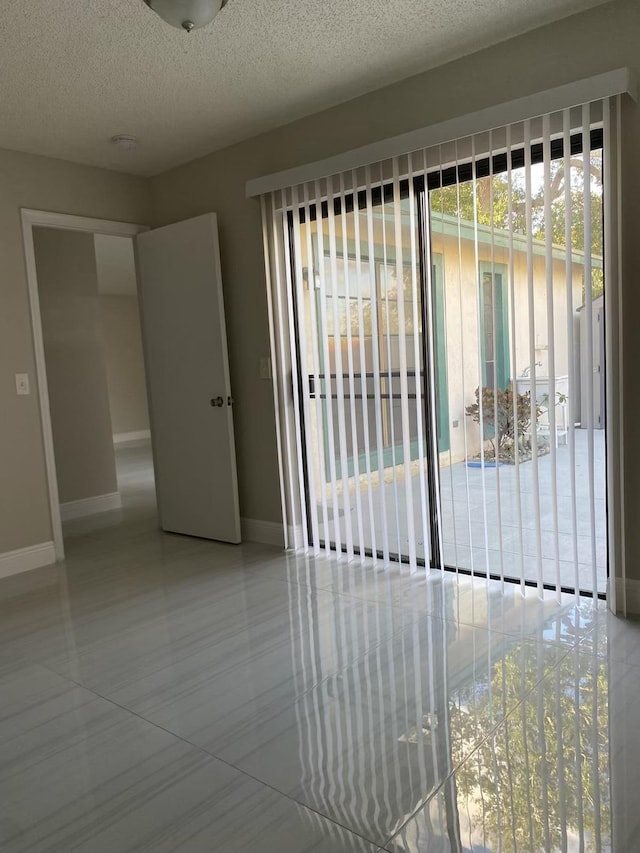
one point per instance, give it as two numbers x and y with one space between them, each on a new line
502 205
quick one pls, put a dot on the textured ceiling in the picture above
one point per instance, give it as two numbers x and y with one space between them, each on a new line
76 72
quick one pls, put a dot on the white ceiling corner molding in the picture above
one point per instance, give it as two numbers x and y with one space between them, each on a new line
616 82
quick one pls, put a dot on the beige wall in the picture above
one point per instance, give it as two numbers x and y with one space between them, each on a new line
76 373
43 184
598 40
121 333
120 325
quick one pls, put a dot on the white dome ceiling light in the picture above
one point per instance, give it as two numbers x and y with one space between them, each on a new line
186 14
124 142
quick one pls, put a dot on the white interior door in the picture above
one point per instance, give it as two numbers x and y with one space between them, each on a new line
187 370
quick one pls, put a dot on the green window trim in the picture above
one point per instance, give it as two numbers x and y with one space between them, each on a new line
501 356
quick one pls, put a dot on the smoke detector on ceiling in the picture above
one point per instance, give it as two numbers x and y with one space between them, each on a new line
124 142
186 14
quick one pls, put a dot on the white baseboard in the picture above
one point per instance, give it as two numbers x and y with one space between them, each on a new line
266 532
138 435
25 559
633 595
89 506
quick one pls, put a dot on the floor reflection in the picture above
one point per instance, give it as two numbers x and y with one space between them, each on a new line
453 737
540 781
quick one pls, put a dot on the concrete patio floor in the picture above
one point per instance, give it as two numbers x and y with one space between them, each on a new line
499 485
472 495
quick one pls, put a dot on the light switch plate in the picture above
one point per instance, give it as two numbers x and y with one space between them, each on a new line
22 384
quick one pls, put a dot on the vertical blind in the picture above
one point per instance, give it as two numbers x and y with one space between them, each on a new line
439 320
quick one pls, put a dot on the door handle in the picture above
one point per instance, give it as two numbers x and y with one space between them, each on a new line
217 401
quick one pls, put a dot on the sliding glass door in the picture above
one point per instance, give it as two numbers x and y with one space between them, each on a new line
446 329
360 319
522 487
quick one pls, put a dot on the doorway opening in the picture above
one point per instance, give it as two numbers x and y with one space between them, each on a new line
90 373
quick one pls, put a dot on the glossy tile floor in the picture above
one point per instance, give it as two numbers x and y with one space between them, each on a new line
160 693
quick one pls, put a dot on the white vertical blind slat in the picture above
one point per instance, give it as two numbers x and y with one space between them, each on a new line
350 368
339 371
532 353
496 384
551 352
613 298
364 385
327 385
463 384
403 369
487 553
304 371
375 358
266 219
430 371
420 369
620 363
588 307
514 361
295 388
319 442
445 349
388 382
573 380
291 441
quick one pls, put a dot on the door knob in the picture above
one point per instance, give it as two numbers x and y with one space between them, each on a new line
217 401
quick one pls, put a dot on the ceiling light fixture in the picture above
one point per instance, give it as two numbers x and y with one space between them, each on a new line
124 142
186 14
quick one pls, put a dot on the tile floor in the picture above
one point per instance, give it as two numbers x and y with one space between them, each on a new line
160 693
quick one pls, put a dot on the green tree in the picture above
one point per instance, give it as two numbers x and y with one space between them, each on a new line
458 201
501 206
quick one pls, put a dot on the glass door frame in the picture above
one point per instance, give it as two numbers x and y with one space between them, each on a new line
381 194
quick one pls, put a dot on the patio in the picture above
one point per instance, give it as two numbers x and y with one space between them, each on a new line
464 517
471 496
